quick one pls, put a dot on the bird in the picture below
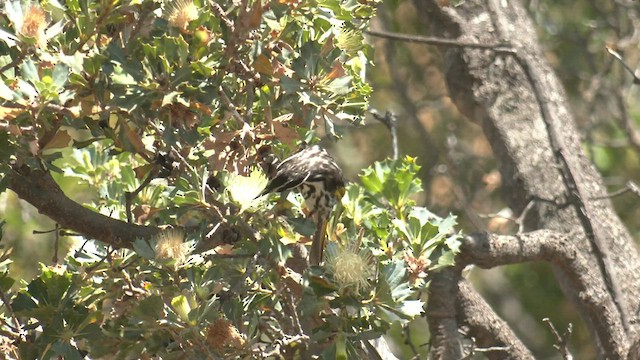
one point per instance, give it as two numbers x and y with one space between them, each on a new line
316 175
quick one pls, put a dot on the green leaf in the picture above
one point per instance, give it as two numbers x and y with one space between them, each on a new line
14 12
150 308
60 75
143 248
29 71
6 283
65 351
394 283
303 226
8 38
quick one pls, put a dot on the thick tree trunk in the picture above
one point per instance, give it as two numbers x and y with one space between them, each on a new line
514 95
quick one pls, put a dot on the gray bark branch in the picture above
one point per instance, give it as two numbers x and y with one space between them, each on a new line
523 110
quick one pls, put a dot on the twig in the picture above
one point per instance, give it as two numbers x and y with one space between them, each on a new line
430 40
473 349
55 245
136 30
232 108
633 135
13 63
629 186
105 257
250 98
220 14
12 314
390 120
279 344
615 54
523 215
128 196
561 341
103 14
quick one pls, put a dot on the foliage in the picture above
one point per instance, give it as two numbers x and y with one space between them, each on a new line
145 302
166 113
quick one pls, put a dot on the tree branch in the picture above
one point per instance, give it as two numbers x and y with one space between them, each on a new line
490 250
486 327
40 190
446 341
430 40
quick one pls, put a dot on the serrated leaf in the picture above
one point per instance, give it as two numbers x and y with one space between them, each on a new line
143 248
394 282
412 308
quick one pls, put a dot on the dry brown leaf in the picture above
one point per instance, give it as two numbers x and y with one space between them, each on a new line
134 139
255 15
142 171
143 212
337 71
262 64
8 113
60 140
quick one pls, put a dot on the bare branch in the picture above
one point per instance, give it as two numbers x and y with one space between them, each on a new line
40 190
488 330
429 40
561 340
629 186
615 54
489 250
446 342
391 122
231 107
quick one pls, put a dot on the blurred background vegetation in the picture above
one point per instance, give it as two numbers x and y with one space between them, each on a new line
458 168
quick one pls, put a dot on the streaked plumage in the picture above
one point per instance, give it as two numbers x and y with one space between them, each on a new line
314 173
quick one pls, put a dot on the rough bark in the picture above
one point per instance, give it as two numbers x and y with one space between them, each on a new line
40 190
523 110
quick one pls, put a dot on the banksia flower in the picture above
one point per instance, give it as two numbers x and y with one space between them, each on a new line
170 245
34 22
245 189
222 333
181 12
350 267
349 41
30 22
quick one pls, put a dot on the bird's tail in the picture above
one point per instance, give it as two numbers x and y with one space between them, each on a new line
317 244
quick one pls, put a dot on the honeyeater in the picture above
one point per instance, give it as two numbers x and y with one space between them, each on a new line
315 174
